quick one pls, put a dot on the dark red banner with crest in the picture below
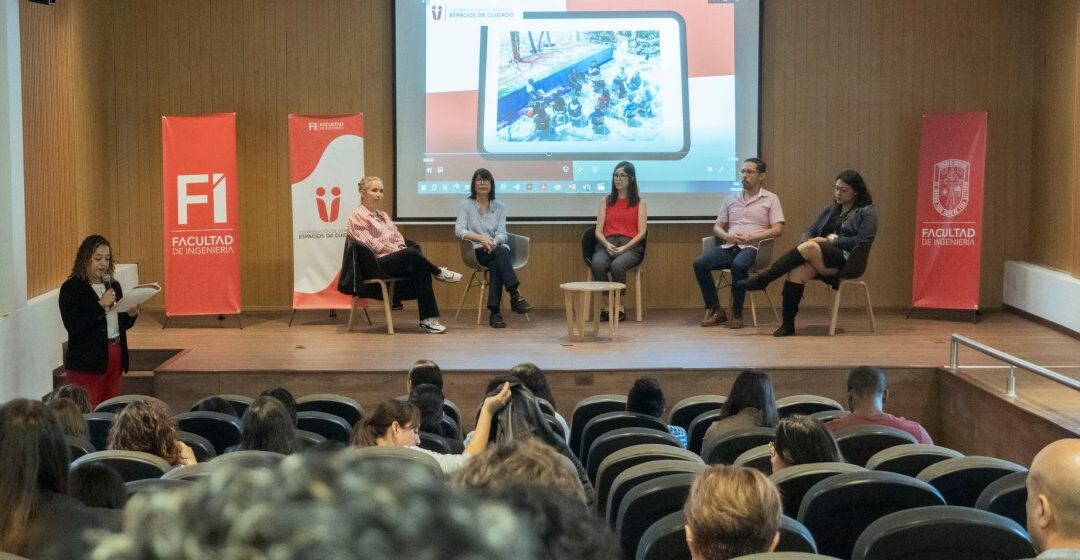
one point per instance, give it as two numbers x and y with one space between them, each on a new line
948 226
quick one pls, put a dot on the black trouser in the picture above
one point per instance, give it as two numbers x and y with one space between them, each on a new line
410 263
500 265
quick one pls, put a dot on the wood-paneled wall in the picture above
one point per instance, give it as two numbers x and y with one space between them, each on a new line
844 84
1055 177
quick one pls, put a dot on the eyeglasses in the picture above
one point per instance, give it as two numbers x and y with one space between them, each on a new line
621 176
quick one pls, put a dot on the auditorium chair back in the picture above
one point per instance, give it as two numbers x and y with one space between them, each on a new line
116 404
955 533
1006 496
725 449
77 447
910 458
627 457
99 424
339 405
132 465
330 426
203 449
240 403
665 539
695 434
587 409
610 442
689 408
638 474
794 481
859 443
397 455
756 458
962 479
608 421
648 502
795 537
806 405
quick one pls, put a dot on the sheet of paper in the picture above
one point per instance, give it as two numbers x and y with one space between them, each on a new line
136 296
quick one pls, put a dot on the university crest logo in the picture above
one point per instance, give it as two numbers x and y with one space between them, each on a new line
952 181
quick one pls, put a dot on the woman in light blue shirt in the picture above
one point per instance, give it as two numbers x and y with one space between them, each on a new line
482 220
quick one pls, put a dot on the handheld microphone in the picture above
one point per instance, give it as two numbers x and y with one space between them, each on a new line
107 280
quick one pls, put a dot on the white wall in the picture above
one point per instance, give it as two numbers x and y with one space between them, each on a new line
1044 292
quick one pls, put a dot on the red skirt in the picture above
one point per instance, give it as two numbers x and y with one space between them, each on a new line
100 386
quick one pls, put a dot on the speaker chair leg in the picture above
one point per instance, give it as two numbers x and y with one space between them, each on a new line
771 304
480 301
638 294
753 309
836 307
461 302
387 298
869 307
352 311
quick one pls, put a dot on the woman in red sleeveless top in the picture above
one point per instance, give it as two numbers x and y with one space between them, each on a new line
621 225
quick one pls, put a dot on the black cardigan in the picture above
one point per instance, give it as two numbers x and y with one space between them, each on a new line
84 319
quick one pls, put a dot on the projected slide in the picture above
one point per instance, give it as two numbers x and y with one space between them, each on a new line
550 94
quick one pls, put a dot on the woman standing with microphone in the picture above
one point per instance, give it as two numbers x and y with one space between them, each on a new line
97 352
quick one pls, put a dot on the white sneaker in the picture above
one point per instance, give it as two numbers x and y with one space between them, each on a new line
447 275
432 325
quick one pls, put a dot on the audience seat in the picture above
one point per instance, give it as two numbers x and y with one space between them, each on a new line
191 472
837 509
450 409
545 406
805 405
450 426
785 556
343 407
910 458
434 442
621 438
99 424
955 533
330 426
240 403
608 421
204 450
630 478
77 447
250 458
1007 497
305 439
962 479
587 409
397 454
827 416
689 408
795 537
616 463
665 539
222 430
794 481
695 434
756 458
556 427
132 465
733 443
154 485
116 404
859 443
648 502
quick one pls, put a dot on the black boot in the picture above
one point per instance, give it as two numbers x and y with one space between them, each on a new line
792 296
778 268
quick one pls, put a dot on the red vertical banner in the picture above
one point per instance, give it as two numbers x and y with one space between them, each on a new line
202 263
326 163
948 227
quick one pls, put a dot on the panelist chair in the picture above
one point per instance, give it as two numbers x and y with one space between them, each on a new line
363 278
761 262
519 247
849 275
588 247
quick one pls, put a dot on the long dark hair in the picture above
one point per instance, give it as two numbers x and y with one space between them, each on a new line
633 197
86 252
35 460
752 388
855 181
803 439
533 377
370 429
482 174
267 426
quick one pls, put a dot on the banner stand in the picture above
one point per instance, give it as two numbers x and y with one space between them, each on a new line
975 313
239 321
333 314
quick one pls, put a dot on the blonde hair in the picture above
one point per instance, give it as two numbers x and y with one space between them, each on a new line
732 511
519 462
367 180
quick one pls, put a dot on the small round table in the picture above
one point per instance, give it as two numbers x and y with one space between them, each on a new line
577 308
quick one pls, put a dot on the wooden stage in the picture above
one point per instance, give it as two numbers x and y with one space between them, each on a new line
318 355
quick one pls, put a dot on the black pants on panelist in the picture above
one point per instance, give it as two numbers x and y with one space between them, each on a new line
500 265
410 263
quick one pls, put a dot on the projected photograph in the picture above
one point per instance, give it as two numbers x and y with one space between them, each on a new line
579 86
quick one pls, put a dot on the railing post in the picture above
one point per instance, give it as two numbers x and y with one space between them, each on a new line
1010 389
954 352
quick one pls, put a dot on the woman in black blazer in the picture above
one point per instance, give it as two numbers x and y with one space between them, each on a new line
849 221
97 352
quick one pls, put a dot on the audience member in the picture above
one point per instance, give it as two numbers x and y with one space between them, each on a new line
71 419
37 517
731 511
97 485
752 402
147 426
282 394
396 423
215 404
316 507
565 528
429 401
1053 500
522 462
74 392
867 395
533 377
424 371
801 440
647 397
266 426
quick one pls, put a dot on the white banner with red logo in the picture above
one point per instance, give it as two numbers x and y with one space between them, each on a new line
326 162
202 262
948 228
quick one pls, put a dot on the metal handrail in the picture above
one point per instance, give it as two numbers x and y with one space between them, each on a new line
1013 361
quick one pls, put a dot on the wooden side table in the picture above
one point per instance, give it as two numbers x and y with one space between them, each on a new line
577 296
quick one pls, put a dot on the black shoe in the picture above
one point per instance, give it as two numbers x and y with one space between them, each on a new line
520 305
622 316
604 315
496 320
397 306
756 282
786 329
